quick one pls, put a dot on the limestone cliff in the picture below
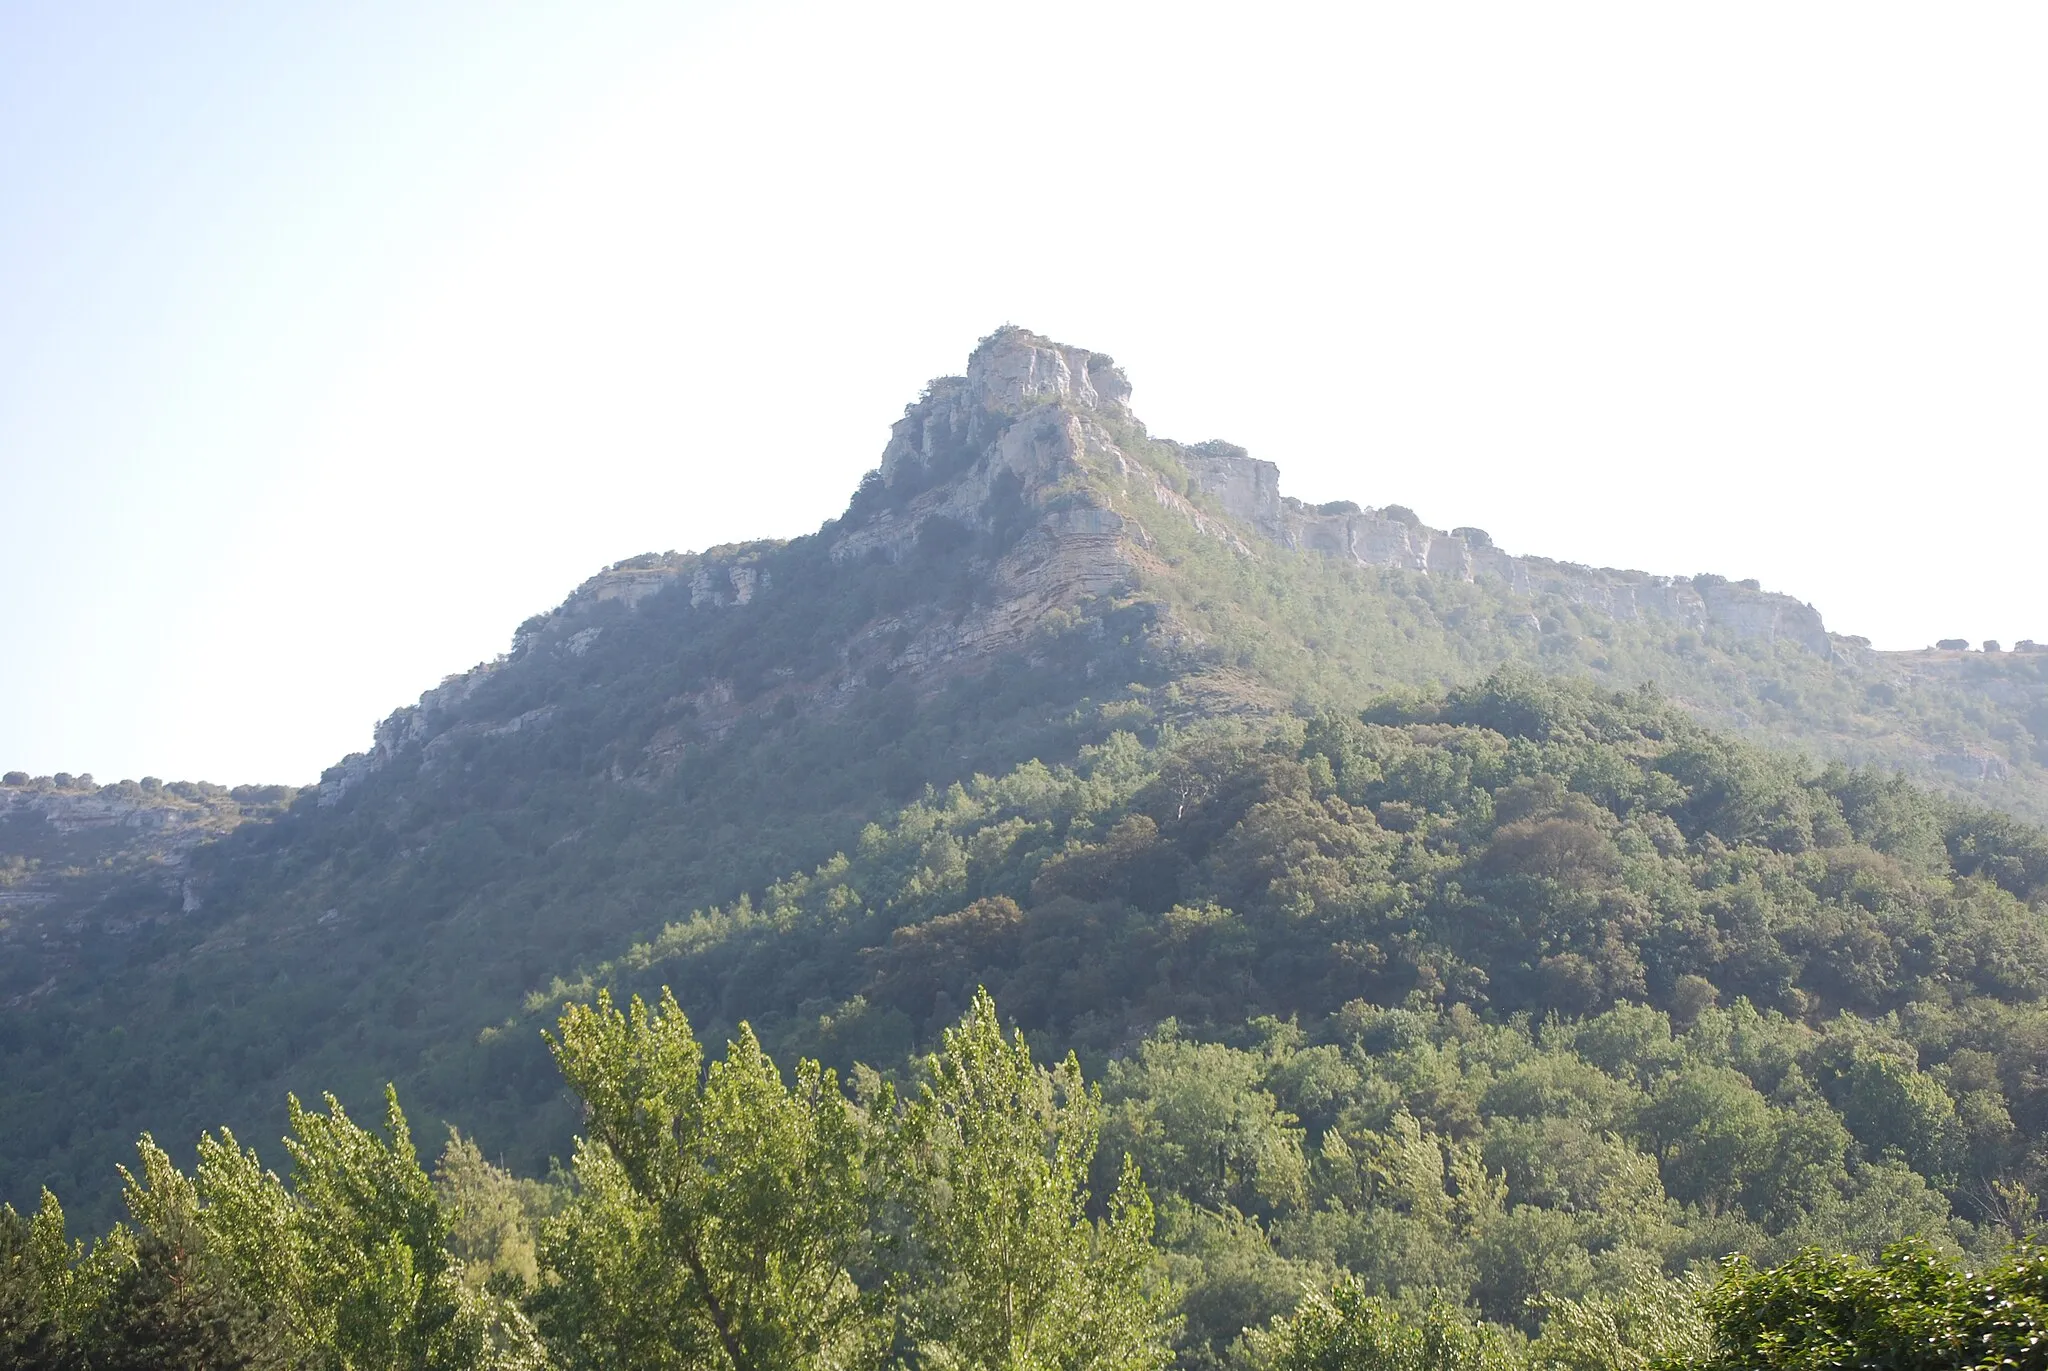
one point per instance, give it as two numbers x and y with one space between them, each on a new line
73 854
1249 489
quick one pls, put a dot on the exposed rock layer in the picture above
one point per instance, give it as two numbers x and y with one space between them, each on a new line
1248 488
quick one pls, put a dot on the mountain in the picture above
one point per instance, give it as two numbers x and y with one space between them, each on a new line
1027 579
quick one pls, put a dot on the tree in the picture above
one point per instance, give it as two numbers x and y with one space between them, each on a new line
1197 1118
35 1267
348 1269
374 1245
1710 1129
491 1214
1888 1104
1909 1310
1007 1270
1351 1330
751 1193
172 1303
1644 1320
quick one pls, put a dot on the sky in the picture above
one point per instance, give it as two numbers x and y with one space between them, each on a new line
335 341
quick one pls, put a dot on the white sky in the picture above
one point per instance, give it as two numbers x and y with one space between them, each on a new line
337 340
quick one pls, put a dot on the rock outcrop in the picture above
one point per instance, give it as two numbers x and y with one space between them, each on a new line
1248 488
1008 449
66 844
1012 373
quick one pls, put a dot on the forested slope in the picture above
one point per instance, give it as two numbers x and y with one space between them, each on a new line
1682 997
1503 1013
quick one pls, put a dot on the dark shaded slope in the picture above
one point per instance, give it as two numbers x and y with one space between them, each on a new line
342 945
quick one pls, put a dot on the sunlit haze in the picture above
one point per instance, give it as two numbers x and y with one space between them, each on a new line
337 340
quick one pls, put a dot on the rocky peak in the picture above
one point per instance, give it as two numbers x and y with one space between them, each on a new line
1014 369
1011 372
1041 411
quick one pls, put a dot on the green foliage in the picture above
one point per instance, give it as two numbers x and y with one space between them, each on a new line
752 1200
1910 1309
37 1317
1009 1272
493 1215
367 1250
1197 1118
347 1268
1641 1320
1351 1330
1310 962
166 1297
718 1218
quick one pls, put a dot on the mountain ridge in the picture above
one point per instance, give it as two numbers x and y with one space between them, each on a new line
1043 415
1073 554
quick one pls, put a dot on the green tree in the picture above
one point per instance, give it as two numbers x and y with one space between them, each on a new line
1642 1320
1710 1129
1350 1329
612 1295
1008 1272
1888 1104
346 1269
374 1240
491 1213
1196 1118
751 1192
35 1269
1911 1309
171 1303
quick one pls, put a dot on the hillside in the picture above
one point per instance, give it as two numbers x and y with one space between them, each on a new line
1516 992
1529 1001
121 852
1027 575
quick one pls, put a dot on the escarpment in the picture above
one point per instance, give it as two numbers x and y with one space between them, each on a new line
1249 489
1023 501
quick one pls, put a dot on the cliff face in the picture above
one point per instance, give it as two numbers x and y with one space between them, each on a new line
81 864
48 827
1014 452
1249 489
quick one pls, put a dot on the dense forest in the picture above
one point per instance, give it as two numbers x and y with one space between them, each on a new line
725 1216
1495 1019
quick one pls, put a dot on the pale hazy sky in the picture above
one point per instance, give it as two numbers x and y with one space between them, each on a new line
336 340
